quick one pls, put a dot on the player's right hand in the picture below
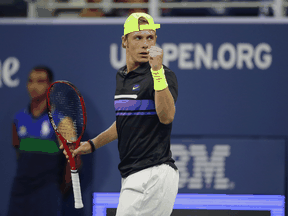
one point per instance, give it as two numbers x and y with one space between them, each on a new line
84 148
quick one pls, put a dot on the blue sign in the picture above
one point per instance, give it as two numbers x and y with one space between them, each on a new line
232 82
230 166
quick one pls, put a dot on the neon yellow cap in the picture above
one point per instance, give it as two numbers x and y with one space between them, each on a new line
131 23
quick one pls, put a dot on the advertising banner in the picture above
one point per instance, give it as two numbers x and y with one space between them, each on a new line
232 80
230 166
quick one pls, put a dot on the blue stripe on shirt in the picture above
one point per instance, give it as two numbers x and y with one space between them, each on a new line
135 113
134 105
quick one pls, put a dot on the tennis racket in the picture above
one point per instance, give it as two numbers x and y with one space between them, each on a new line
67 114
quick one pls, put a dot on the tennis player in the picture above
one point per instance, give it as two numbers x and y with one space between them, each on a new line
146 92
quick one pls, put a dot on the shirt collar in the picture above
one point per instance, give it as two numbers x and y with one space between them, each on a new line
141 69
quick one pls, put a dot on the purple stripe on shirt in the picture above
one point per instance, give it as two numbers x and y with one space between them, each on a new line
134 105
135 113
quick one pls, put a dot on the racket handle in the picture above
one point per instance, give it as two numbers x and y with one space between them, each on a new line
76 189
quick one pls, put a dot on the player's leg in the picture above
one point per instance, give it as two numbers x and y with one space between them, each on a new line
47 200
19 202
149 192
18 205
168 188
132 193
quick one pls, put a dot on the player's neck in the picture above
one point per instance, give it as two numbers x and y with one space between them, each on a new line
131 65
38 106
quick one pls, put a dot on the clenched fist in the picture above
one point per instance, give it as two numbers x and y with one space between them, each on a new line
155 57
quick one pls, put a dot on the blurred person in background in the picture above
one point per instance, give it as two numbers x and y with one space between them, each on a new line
126 12
95 12
42 178
218 10
13 8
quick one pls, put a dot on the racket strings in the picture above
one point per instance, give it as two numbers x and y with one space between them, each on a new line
66 111
67 129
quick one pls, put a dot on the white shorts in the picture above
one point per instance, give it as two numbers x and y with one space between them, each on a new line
149 192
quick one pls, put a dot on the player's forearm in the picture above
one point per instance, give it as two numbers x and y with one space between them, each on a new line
106 137
165 106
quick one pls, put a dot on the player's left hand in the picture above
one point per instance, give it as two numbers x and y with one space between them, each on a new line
155 57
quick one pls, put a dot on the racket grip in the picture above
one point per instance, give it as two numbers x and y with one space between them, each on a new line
76 189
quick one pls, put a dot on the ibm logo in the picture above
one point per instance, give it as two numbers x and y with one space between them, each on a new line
204 168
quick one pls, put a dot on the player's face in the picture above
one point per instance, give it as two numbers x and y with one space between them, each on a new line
38 84
138 43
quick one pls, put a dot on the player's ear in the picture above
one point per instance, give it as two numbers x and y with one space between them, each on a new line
124 41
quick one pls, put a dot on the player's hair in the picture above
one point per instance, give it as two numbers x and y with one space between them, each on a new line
47 70
141 21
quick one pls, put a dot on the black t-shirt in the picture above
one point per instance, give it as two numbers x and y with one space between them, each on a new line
143 141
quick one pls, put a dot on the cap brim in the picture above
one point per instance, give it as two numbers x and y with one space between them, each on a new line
150 26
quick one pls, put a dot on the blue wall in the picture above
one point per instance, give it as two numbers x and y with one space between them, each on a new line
232 82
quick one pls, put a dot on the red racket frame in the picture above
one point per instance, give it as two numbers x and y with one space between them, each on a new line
63 140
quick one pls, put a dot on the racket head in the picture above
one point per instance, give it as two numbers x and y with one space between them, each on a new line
66 107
